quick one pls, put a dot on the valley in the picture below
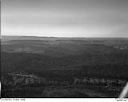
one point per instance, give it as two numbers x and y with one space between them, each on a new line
63 67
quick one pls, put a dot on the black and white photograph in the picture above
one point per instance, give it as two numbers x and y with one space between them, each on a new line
64 49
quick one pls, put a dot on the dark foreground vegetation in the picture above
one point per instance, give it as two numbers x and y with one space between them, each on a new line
60 67
29 85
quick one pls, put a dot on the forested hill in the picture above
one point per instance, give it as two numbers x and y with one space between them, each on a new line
86 65
66 56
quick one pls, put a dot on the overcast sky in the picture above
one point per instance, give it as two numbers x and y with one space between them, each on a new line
65 18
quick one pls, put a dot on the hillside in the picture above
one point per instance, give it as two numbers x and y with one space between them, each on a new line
94 56
63 67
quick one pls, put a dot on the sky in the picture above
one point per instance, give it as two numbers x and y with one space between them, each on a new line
65 18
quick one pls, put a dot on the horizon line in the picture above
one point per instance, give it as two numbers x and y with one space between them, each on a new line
62 36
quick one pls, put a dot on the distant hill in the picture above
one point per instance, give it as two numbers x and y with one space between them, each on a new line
61 46
66 56
6 38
